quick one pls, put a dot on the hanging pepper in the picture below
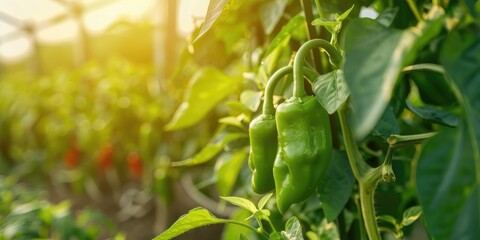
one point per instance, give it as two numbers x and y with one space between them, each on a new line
263 139
263 136
304 140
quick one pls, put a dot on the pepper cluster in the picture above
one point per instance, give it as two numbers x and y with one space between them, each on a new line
290 147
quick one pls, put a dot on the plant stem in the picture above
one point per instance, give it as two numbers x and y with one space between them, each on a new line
363 234
368 211
271 224
358 165
397 141
311 31
299 62
319 8
270 88
414 9
366 176
272 82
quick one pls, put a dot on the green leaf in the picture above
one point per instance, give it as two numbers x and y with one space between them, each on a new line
387 16
232 121
251 99
285 34
388 218
293 229
433 88
331 90
210 150
237 108
471 7
460 56
411 215
215 8
336 185
264 201
205 90
371 74
331 26
242 237
387 125
466 226
270 13
197 217
227 169
461 62
324 22
434 115
446 181
344 15
241 202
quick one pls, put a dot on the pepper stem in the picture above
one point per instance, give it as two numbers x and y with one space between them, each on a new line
272 83
299 62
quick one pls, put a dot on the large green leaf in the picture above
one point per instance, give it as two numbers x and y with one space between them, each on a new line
227 170
270 13
205 90
336 185
387 16
461 57
331 90
434 115
446 181
215 8
387 125
197 217
251 99
375 56
433 88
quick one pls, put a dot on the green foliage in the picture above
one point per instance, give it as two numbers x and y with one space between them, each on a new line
331 90
390 106
336 186
197 217
405 137
206 89
24 214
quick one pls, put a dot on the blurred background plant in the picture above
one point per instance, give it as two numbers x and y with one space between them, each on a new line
85 92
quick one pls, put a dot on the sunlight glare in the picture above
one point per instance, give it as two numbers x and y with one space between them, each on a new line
15 50
62 32
188 11
97 20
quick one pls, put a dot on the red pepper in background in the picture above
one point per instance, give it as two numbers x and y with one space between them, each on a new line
71 157
135 164
105 159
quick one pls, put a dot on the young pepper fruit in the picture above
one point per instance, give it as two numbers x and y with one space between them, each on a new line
263 136
305 146
304 139
263 139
